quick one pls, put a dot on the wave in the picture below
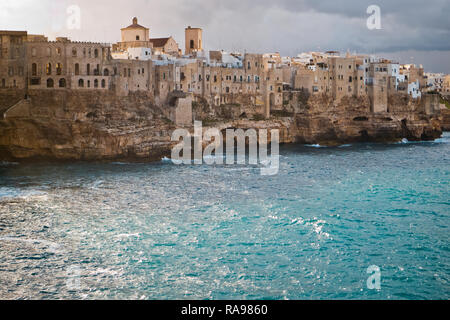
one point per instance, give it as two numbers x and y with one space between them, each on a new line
52 246
314 146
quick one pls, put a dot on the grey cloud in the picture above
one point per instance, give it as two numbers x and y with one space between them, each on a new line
287 26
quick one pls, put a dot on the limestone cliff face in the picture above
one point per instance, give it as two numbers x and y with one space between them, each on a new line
90 125
446 119
320 120
86 126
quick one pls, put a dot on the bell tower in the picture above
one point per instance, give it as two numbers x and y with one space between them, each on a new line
193 40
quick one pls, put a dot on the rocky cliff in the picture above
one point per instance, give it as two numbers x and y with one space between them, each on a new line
83 126
90 125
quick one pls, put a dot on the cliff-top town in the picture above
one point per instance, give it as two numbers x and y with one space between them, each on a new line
84 100
158 66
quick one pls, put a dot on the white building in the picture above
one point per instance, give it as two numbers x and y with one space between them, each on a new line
139 53
414 89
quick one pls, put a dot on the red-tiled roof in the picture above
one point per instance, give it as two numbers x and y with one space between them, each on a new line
159 42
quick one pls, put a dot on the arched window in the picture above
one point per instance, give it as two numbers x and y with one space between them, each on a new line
96 53
103 83
34 69
106 72
62 83
81 83
59 69
88 69
74 52
58 51
77 69
50 83
192 44
48 69
96 83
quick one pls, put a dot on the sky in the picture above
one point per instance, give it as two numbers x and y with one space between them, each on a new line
412 31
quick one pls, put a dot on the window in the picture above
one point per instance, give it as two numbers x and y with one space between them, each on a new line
62 83
50 83
3 83
77 69
20 71
48 69
137 38
74 52
350 79
49 52
58 51
96 83
81 83
34 69
88 69
106 72
96 53
89 83
59 69
35 81
103 83
33 52
11 71
192 44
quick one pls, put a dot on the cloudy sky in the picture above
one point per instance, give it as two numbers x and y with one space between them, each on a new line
414 31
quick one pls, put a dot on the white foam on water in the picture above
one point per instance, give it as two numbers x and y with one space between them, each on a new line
126 235
52 246
314 145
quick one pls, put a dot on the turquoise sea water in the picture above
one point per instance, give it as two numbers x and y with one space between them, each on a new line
160 231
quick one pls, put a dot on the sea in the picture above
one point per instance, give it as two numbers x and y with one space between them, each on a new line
357 221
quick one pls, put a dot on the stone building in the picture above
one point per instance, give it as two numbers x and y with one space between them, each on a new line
155 67
65 64
193 40
12 59
165 46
